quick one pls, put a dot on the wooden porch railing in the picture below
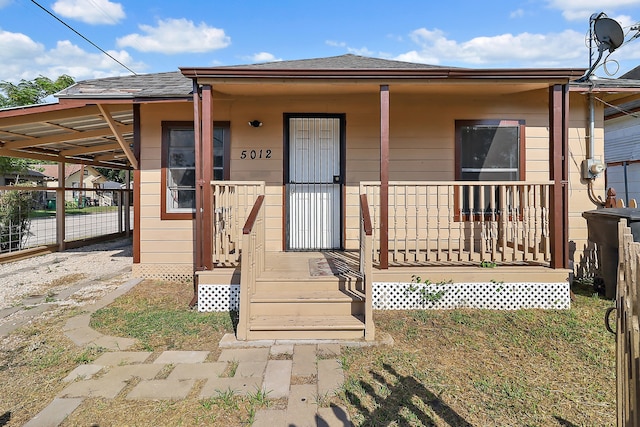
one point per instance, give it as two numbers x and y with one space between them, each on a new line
253 243
366 266
464 222
232 201
628 328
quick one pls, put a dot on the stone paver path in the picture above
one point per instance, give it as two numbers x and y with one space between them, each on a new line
305 374
313 369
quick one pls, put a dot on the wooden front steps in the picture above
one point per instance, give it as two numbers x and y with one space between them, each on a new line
307 327
296 299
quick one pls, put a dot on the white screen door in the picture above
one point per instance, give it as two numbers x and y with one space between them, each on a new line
314 187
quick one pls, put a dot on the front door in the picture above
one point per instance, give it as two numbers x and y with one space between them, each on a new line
314 182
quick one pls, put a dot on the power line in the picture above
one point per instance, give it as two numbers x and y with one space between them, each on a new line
86 39
104 12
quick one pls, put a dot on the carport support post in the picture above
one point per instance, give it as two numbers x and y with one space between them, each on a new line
127 209
60 208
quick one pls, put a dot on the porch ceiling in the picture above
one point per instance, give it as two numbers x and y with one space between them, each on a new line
99 135
315 87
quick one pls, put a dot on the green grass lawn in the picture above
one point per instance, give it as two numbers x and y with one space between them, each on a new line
446 368
487 368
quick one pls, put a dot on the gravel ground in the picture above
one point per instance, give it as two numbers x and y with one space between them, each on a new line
71 278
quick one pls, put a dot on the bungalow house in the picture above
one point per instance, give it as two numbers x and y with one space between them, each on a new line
308 192
30 177
27 176
75 176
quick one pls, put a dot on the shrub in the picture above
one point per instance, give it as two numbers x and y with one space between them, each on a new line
15 206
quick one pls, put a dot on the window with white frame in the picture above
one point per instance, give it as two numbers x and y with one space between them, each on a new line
179 165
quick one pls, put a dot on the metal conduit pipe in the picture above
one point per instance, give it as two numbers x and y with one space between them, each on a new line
592 127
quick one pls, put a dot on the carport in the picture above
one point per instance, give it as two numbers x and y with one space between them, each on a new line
77 132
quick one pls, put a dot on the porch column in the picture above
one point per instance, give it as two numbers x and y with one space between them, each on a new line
207 177
558 151
384 176
203 131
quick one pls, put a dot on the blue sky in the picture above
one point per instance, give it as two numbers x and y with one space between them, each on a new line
153 36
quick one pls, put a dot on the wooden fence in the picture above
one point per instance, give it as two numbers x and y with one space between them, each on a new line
612 202
628 329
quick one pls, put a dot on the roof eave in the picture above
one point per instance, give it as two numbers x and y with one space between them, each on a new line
347 74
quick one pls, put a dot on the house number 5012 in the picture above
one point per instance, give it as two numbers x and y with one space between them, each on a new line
255 154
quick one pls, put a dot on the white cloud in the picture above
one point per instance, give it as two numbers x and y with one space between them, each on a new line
4 3
264 57
90 12
363 51
582 9
517 13
566 49
334 43
172 36
23 58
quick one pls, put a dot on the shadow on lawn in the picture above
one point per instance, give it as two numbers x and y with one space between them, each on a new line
234 316
398 405
5 418
563 422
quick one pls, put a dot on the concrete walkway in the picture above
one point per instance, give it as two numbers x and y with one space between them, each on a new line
314 367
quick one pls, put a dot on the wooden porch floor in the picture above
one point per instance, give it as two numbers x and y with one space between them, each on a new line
301 267
310 265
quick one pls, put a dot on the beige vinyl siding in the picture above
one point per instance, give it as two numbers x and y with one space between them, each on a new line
273 214
422 148
161 242
578 190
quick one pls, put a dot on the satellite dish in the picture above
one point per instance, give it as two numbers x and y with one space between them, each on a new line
608 33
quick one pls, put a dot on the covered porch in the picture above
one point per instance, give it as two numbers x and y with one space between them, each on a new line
391 219
438 233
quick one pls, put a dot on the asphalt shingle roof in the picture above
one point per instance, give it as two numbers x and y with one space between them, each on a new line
342 62
633 74
174 84
157 85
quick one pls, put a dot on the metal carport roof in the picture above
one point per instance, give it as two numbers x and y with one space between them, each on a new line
92 134
92 124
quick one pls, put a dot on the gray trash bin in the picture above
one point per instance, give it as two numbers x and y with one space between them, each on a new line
602 225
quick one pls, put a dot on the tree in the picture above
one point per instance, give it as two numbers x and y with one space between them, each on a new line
11 165
29 92
113 174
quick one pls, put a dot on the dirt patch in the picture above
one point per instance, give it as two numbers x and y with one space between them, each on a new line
33 362
302 380
60 270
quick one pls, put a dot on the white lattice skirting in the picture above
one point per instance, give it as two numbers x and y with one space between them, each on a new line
493 296
408 296
218 297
